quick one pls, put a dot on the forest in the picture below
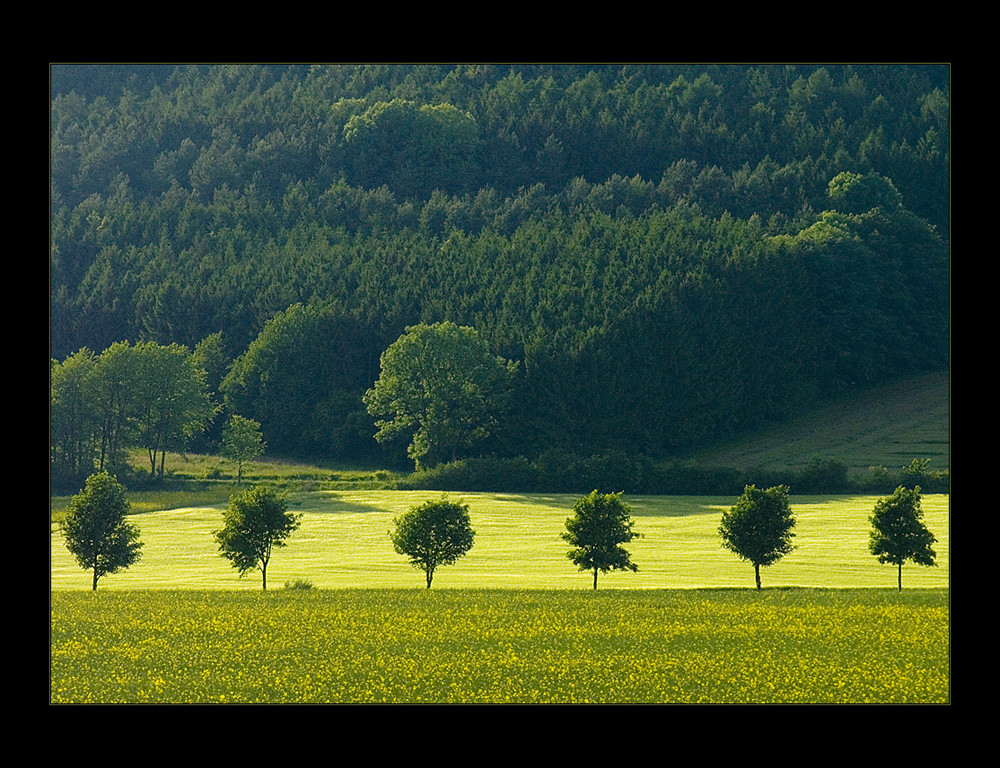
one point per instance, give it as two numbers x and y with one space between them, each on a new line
669 253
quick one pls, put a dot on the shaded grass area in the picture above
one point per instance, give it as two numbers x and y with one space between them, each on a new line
501 646
888 426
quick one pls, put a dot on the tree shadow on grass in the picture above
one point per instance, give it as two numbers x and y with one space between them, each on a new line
331 504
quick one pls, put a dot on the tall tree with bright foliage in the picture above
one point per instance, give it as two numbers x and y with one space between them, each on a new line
441 384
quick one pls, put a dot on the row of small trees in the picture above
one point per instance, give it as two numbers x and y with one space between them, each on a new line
759 528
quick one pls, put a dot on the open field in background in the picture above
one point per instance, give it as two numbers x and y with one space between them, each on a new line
889 426
343 543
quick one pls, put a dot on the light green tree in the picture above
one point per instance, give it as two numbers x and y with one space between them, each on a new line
601 523
254 523
441 384
95 528
173 401
74 429
433 534
898 532
242 441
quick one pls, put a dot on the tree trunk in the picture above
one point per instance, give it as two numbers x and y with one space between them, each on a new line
430 576
756 573
95 579
263 573
899 577
595 578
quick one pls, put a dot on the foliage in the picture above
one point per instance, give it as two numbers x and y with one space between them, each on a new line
74 431
148 395
242 441
671 252
758 528
254 523
433 534
301 380
413 149
898 533
601 523
96 530
856 194
441 384
475 474
174 404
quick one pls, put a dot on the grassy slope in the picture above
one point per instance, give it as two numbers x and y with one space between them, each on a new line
887 427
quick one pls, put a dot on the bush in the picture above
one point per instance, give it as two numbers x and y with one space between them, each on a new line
918 473
691 478
481 474
822 476
614 471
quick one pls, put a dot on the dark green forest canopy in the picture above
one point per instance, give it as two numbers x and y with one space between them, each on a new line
659 246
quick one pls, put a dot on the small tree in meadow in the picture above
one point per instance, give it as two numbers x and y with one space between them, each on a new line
601 523
255 522
434 534
759 527
241 442
898 532
96 530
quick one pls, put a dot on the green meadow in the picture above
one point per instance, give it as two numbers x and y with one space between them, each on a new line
343 543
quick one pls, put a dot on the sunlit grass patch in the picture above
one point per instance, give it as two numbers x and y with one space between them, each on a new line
344 542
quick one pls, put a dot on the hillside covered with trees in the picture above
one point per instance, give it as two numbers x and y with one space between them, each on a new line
668 253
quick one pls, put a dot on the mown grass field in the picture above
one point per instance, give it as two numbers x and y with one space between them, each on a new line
343 543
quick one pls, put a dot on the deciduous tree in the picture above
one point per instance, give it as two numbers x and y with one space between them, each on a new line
74 431
241 442
759 527
898 532
174 402
441 383
255 522
433 534
96 530
602 522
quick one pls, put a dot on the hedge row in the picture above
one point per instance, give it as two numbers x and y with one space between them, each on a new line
614 472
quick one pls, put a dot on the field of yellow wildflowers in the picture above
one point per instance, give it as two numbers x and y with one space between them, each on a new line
501 646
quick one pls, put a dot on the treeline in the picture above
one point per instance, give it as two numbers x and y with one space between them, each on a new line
670 253
103 405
